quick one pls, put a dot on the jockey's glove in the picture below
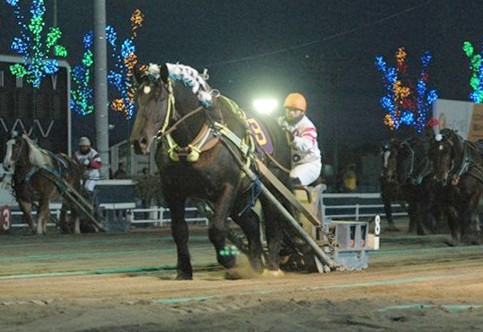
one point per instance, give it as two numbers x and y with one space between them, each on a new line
289 135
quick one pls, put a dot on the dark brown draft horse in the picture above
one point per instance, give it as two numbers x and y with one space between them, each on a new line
404 178
34 170
391 191
458 183
201 134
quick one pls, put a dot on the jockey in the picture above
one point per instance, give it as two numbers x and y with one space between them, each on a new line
306 157
90 159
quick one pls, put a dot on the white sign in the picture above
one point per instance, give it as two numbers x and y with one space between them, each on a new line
463 116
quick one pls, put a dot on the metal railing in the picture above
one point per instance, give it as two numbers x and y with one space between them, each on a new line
353 206
160 216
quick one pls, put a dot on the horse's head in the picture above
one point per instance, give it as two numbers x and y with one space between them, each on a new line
389 154
15 146
152 101
172 92
444 152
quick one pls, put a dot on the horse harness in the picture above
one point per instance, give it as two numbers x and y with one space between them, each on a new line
61 168
417 173
208 136
468 164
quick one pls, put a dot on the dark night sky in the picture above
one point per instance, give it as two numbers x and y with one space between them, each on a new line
323 49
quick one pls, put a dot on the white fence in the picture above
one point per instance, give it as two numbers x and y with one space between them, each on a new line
348 206
355 206
161 216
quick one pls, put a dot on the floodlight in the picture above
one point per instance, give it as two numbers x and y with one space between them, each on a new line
265 106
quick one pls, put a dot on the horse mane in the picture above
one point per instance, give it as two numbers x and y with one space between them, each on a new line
37 156
189 76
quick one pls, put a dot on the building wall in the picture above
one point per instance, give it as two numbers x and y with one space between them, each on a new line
42 113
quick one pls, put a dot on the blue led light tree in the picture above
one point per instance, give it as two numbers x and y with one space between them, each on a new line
406 105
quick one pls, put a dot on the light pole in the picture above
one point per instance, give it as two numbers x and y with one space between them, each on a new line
100 88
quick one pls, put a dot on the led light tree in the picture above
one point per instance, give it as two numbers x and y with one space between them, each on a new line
407 101
476 80
121 77
82 94
125 60
38 46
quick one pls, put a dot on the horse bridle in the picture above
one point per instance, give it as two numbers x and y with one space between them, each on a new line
164 130
20 149
465 160
201 140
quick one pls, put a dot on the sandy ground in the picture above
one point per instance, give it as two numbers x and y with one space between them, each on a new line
51 284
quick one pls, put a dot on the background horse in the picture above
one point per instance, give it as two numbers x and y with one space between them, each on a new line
390 187
198 158
33 180
404 178
413 172
458 182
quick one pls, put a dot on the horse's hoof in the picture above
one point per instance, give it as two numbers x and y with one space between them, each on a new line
233 274
273 273
472 240
257 265
184 277
227 261
451 243
240 272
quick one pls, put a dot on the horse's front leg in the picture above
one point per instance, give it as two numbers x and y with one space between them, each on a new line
180 233
453 223
388 212
43 217
26 208
217 231
471 229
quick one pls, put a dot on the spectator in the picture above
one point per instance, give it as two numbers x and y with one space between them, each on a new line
121 172
350 179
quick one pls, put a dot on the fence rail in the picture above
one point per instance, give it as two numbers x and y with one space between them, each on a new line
355 205
335 206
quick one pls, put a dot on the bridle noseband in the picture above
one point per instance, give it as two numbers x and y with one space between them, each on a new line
192 150
456 170
19 152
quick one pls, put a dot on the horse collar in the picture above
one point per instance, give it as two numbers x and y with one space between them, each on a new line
204 141
27 176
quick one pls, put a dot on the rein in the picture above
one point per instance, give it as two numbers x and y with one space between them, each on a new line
164 133
201 140
194 149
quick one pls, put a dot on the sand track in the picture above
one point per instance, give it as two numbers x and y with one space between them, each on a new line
125 282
